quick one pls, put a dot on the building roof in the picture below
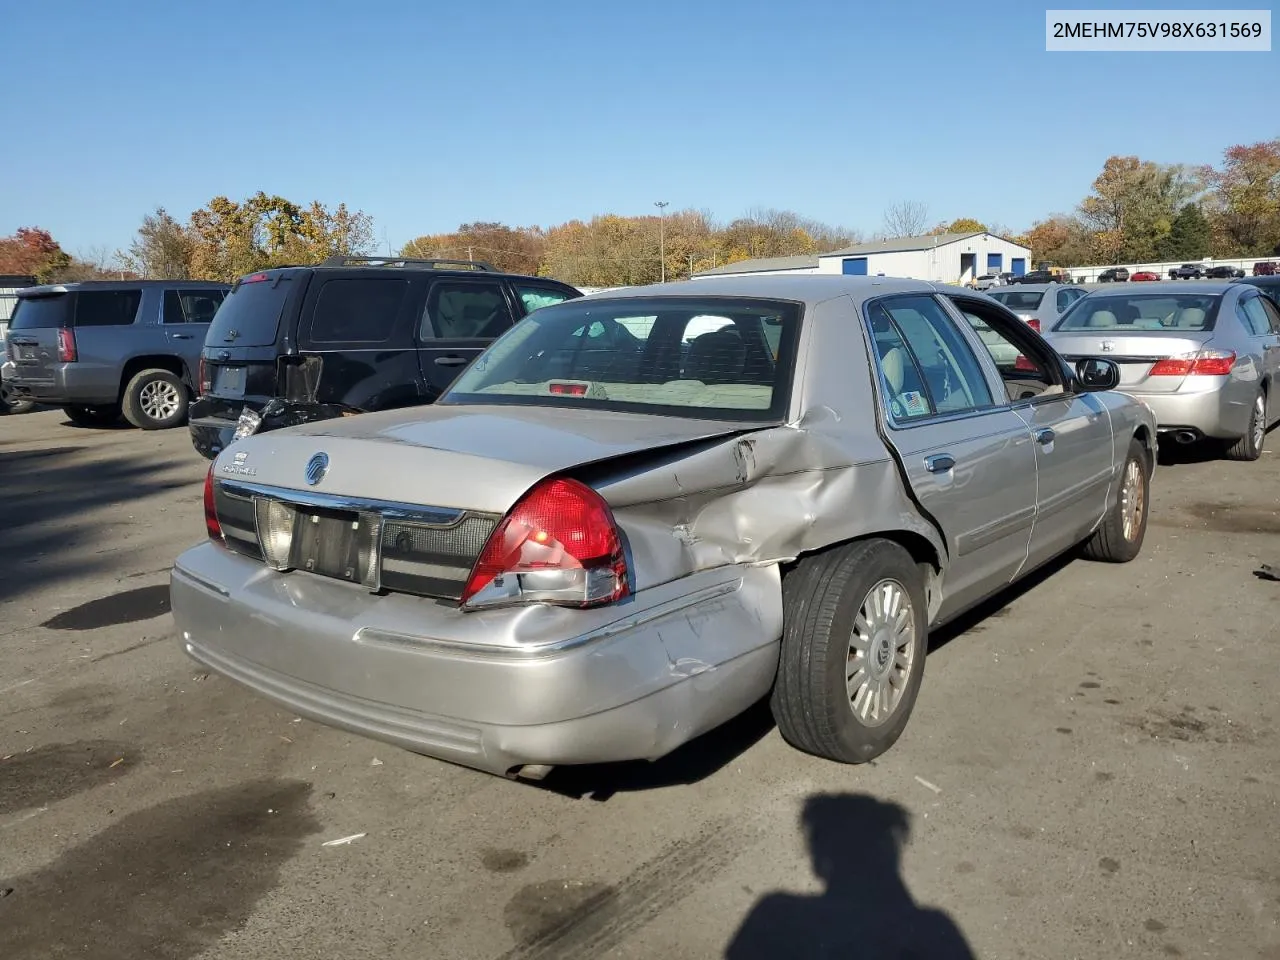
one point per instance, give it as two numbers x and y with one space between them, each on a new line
801 262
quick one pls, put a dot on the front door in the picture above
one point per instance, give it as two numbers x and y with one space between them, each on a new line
967 457
1071 432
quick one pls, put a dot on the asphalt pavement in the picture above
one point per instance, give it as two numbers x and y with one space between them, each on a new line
1092 771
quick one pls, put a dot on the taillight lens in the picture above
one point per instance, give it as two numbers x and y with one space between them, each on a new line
1034 324
67 346
559 544
204 380
1205 363
211 524
1025 365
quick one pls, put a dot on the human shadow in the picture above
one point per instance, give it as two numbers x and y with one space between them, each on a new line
865 911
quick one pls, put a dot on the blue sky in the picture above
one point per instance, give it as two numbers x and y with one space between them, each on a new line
426 115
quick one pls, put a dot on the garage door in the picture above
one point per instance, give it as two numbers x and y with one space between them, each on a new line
995 262
855 266
1018 265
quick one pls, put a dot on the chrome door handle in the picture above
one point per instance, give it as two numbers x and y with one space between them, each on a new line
451 361
180 336
1045 436
939 463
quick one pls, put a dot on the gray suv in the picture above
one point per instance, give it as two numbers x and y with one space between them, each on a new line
102 348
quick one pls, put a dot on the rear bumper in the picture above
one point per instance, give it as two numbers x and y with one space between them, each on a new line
1217 413
65 384
213 420
491 690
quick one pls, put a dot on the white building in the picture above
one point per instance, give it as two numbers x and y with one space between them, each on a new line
945 257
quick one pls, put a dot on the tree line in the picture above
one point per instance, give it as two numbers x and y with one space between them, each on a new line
1136 211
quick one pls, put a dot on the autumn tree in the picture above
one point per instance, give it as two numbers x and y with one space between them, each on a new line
31 251
907 218
1133 205
961 225
1188 238
514 249
1245 200
1061 239
162 250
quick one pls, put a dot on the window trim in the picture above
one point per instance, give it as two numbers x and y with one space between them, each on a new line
424 322
881 387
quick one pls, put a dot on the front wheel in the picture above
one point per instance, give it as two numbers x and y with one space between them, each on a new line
156 400
855 634
1120 537
1249 447
97 416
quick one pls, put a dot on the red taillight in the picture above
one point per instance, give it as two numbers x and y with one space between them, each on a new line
568 389
204 382
1205 363
1025 365
211 524
255 278
1034 324
67 346
558 544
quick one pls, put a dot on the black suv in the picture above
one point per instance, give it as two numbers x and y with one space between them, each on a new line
1113 275
353 335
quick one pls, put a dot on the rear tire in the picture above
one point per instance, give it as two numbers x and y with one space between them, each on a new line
99 416
855 634
1120 537
1249 447
156 400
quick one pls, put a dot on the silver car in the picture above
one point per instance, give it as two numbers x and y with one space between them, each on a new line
1039 304
638 513
1204 356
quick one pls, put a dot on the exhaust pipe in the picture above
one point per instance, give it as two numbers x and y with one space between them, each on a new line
1185 436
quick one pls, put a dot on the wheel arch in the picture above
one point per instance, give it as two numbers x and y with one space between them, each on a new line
153 361
925 553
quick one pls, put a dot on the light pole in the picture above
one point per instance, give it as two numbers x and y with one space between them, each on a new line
662 236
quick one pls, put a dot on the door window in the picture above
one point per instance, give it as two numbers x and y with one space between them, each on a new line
358 310
107 308
926 365
191 306
1254 316
1066 298
1273 313
534 297
466 310
1025 375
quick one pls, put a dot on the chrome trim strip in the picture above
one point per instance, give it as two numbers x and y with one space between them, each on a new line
425 515
376 637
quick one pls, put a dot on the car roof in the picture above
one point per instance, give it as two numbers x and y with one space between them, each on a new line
390 266
1035 287
46 289
807 288
1266 280
1165 287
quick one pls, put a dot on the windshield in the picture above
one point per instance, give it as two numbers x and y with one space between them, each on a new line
1136 313
708 357
1020 299
36 313
250 315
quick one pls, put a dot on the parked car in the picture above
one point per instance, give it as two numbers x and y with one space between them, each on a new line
9 403
1266 268
987 281
1223 272
1188 271
101 348
640 512
1038 276
1039 305
1269 285
1204 357
353 335
1113 275
1144 276
1007 277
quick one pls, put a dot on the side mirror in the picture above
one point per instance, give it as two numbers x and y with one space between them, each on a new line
1094 375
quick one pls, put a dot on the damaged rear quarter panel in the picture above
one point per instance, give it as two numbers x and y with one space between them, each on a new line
773 494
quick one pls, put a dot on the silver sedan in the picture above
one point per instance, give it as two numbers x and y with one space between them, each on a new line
1039 304
640 512
1204 356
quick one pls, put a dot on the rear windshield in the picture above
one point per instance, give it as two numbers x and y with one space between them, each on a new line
708 357
1020 299
37 313
250 315
1138 312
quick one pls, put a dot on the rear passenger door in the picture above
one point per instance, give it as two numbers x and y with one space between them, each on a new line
967 456
360 327
462 316
1074 444
1260 316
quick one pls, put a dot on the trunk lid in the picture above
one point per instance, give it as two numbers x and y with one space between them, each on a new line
1136 352
462 458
